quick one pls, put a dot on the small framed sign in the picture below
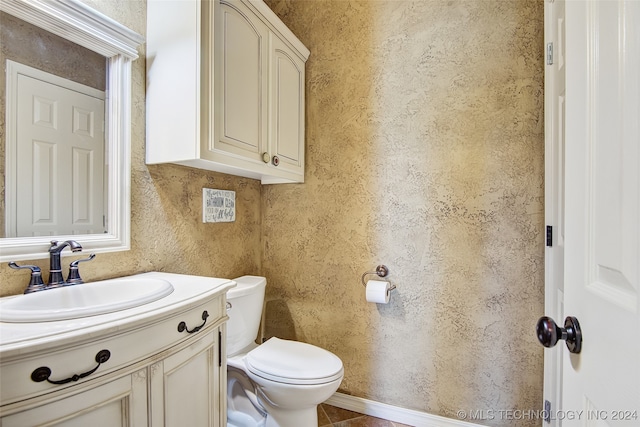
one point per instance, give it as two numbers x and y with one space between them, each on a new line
218 205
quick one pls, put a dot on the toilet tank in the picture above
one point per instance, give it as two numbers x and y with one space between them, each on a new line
246 300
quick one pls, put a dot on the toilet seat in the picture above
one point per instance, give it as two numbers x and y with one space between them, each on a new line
293 362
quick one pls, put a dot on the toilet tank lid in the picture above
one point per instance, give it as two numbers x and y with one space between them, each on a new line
246 285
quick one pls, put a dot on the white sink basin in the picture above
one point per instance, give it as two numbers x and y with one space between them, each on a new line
87 299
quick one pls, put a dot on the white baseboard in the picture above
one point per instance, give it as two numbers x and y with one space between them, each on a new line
393 413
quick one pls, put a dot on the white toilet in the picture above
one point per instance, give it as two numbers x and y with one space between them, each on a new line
280 382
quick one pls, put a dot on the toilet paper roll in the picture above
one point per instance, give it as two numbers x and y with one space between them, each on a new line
378 291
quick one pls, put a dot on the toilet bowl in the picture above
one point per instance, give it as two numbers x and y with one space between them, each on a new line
280 382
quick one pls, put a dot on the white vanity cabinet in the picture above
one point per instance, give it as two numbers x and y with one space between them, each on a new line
226 87
165 364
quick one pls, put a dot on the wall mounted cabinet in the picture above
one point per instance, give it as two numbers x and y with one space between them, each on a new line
225 89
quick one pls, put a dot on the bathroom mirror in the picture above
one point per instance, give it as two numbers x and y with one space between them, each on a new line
115 47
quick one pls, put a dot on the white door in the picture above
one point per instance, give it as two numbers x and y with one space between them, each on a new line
55 182
602 202
555 97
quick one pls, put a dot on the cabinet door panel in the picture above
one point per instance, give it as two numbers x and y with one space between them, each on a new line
287 105
185 386
241 90
122 402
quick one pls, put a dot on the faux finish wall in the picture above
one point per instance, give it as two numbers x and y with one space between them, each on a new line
167 233
425 153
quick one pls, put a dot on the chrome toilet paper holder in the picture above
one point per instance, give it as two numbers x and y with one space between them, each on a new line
381 271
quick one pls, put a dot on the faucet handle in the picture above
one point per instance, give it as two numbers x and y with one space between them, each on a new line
74 274
36 283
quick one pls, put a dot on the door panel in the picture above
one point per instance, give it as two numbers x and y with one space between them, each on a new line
59 186
602 256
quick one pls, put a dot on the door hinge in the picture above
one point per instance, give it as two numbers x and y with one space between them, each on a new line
547 411
549 53
549 235
219 348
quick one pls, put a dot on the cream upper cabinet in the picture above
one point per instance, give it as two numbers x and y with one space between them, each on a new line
225 89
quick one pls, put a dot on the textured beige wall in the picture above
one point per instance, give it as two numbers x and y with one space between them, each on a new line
167 233
425 152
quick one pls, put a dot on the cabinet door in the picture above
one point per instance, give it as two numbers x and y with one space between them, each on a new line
185 386
286 94
122 402
241 66
173 94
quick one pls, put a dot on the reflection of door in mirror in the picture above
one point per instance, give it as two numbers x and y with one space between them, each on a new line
27 44
56 187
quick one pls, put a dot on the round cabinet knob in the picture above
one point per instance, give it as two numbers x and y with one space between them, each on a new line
275 160
265 157
549 333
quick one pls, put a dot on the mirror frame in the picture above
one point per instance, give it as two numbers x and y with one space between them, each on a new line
79 23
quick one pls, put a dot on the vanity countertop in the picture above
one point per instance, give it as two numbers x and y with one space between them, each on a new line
17 339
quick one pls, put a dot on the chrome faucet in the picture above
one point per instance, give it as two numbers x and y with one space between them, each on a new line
55 270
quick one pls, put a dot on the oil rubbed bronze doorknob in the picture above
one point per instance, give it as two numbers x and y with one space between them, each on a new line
549 333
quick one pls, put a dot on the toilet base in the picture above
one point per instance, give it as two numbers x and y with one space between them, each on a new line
242 412
291 418
249 406
243 409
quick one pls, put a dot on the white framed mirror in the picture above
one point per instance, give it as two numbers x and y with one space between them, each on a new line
78 23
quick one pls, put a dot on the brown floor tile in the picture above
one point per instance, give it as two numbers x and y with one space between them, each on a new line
332 416
336 414
364 421
323 420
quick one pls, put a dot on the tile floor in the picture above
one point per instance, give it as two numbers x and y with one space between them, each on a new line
330 416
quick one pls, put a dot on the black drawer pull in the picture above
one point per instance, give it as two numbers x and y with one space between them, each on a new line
43 373
182 326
